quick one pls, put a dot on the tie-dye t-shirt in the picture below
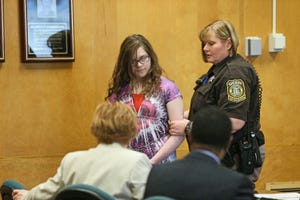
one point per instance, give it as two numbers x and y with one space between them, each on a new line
152 118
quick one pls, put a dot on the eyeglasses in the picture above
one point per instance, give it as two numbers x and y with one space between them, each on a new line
142 60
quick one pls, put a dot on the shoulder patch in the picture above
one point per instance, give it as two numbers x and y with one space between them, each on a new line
236 90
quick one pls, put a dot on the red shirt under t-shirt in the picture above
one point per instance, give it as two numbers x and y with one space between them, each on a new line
137 100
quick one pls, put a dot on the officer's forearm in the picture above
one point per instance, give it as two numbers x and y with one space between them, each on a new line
236 124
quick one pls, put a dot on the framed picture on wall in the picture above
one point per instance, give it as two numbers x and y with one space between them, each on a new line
47 30
2 50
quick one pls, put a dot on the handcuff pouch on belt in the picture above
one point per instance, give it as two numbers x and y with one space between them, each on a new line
247 149
250 157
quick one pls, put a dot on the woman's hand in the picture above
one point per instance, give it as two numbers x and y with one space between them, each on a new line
18 194
176 127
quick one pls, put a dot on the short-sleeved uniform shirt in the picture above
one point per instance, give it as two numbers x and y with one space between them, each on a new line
231 85
152 118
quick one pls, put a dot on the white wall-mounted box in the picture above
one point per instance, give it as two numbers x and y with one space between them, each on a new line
253 46
276 42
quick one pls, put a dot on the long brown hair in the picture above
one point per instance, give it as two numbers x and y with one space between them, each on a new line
122 74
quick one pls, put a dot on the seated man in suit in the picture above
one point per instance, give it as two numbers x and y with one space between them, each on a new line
200 175
110 165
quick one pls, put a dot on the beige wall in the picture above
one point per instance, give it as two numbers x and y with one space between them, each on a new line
46 108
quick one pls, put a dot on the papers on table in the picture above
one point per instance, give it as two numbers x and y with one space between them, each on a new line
281 196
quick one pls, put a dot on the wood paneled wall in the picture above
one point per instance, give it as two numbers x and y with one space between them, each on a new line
46 108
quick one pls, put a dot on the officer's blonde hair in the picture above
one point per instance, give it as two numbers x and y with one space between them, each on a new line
224 30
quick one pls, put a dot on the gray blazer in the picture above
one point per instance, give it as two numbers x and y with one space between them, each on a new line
198 177
113 168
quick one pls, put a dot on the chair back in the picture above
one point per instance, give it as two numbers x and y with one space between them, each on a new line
7 187
159 198
82 192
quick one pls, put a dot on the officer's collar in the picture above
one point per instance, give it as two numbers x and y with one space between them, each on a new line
217 67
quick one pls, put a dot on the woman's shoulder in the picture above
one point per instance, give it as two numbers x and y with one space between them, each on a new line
74 156
124 92
167 82
168 85
239 63
238 68
169 89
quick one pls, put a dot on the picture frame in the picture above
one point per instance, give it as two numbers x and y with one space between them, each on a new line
2 46
47 30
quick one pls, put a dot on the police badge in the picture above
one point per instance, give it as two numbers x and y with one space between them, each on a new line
236 90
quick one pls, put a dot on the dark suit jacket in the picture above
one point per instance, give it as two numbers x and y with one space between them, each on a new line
199 177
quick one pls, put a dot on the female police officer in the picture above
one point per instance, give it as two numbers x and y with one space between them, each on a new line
233 85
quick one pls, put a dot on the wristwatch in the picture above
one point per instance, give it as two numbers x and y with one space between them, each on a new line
188 128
